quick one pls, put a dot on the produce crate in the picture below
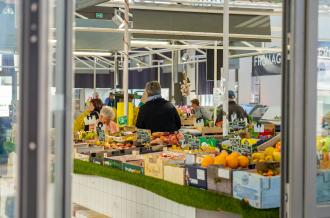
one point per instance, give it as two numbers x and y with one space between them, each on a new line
260 191
114 162
83 157
191 159
220 179
80 145
154 166
90 149
210 130
175 174
196 176
135 167
269 143
323 186
97 160
188 121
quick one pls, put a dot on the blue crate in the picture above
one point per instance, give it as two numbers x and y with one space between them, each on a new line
196 176
323 187
260 191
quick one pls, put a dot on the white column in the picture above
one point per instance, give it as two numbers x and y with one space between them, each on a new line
225 63
126 51
94 76
158 73
215 77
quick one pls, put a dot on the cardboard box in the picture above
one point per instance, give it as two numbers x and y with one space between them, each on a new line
83 157
154 165
196 176
97 160
114 162
260 191
323 186
220 179
175 174
90 149
135 167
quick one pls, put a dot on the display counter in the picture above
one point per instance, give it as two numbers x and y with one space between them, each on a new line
183 195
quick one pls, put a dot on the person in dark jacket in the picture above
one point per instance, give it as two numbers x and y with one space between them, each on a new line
233 108
157 114
95 108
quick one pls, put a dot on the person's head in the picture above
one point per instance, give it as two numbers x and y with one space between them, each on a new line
231 95
96 104
153 88
107 114
111 96
96 95
195 103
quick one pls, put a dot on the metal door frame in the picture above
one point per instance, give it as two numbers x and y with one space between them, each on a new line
300 42
33 109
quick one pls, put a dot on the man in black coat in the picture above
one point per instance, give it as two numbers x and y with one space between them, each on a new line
157 114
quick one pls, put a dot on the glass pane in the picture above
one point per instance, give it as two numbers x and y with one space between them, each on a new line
8 102
323 105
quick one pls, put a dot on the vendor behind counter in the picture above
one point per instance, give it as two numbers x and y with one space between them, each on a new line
199 111
157 114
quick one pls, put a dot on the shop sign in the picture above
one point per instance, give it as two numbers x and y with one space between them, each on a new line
99 15
267 64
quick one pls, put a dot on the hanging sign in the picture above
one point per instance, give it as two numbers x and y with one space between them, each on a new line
267 64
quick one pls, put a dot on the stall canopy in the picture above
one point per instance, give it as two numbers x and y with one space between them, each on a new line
193 22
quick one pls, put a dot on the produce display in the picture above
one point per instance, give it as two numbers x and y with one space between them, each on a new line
323 152
166 138
237 165
181 158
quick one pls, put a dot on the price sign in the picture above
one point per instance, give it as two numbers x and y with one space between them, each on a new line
123 121
143 136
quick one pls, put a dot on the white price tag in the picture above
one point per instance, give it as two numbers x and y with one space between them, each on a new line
259 128
224 173
200 174
193 181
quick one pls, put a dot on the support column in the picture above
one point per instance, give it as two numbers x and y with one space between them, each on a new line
215 79
115 72
94 76
158 73
126 57
225 64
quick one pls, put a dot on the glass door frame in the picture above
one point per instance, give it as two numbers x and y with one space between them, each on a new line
299 169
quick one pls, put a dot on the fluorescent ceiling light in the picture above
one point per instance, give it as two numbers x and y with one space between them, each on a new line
89 53
148 42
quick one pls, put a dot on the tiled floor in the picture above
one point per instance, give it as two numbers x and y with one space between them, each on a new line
120 200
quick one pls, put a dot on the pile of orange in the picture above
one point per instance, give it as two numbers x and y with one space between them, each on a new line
233 160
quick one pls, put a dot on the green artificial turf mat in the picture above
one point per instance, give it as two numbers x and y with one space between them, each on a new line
185 195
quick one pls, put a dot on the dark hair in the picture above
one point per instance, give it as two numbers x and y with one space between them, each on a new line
195 101
231 94
97 103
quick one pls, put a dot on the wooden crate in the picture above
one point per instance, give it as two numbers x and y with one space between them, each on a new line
210 130
188 121
270 143
175 174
